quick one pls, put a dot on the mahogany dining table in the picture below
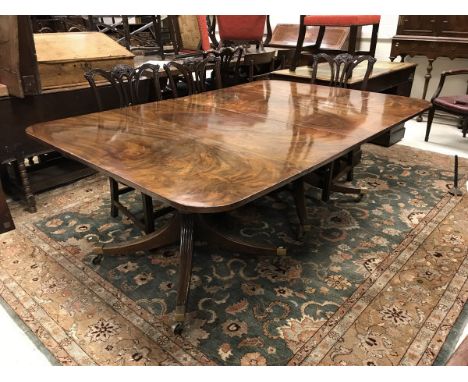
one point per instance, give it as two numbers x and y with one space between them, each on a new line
213 152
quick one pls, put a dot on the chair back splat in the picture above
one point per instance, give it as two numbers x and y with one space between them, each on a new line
342 67
190 77
229 64
125 81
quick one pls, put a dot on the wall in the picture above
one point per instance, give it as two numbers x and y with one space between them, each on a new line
387 30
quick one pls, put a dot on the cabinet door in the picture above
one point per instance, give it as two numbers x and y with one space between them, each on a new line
417 25
453 26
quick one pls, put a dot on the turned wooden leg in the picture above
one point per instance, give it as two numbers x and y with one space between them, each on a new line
28 195
148 213
185 269
427 78
301 209
114 196
297 52
430 117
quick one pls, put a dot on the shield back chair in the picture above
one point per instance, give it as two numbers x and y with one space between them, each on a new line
229 61
191 77
457 105
126 82
341 69
242 29
354 22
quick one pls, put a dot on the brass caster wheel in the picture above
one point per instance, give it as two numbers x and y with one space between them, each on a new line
177 328
359 197
98 259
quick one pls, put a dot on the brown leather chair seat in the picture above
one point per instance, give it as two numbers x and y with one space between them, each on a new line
458 104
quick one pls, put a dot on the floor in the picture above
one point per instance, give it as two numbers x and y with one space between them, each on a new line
19 348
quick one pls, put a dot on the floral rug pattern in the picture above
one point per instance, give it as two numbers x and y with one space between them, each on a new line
368 285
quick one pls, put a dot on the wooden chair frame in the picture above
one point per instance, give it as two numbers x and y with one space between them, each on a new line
126 82
430 116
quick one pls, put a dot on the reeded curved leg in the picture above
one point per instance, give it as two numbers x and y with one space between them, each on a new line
165 236
185 269
212 235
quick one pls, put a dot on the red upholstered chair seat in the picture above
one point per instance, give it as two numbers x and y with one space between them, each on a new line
341 21
458 104
240 28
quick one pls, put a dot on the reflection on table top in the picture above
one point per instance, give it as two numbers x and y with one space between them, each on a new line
218 150
323 71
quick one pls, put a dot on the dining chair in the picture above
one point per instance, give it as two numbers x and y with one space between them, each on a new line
229 64
457 104
341 70
354 22
125 81
190 76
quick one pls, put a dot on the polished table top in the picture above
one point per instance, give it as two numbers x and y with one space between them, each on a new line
218 150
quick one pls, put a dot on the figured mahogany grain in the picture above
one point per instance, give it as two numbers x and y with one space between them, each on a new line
218 150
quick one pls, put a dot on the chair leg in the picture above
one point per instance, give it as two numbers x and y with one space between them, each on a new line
301 209
148 213
297 53
353 29
350 162
114 194
430 117
327 183
465 127
373 43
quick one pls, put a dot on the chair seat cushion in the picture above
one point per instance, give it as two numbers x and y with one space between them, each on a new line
341 20
458 104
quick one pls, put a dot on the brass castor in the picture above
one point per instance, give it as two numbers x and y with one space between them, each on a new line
281 251
359 197
98 259
177 328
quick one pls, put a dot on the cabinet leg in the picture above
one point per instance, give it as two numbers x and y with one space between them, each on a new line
427 78
28 195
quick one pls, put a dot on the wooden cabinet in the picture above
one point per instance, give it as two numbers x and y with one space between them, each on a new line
431 36
416 25
436 26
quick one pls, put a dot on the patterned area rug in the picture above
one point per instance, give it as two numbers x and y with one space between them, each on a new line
379 282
